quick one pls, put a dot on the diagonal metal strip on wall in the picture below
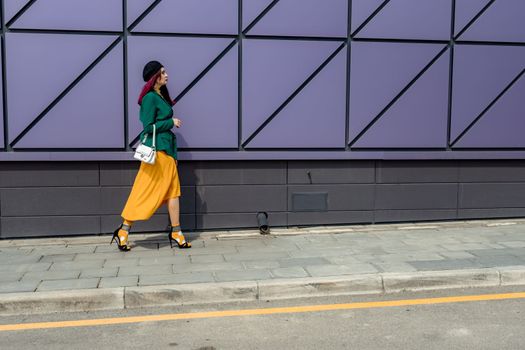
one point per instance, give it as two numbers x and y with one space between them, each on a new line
70 87
398 96
283 105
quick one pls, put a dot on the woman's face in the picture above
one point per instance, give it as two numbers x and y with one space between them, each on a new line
163 78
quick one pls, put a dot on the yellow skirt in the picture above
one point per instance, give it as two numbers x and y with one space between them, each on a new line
153 186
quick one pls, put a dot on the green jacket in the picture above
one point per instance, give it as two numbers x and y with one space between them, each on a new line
155 110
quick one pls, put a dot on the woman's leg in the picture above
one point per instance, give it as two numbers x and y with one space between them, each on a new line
176 233
174 211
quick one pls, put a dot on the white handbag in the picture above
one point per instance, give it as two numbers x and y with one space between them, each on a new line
145 153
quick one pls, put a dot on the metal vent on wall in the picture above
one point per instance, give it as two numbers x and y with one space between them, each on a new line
309 201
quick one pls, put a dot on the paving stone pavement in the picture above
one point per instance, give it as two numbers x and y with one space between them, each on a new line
34 265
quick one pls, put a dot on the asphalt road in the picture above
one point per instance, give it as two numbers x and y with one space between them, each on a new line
489 324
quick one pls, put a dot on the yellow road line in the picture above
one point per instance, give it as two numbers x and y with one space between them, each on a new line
254 312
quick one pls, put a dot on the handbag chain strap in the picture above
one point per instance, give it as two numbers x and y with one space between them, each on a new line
146 136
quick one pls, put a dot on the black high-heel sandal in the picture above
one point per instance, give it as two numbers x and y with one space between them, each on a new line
122 247
181 241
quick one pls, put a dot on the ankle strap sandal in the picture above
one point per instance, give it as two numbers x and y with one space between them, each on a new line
175 234
122 241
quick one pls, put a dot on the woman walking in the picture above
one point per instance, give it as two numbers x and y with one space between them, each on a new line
158 183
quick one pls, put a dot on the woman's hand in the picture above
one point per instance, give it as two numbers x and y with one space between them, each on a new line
177 122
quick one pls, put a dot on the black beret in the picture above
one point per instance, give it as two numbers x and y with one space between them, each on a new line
150 69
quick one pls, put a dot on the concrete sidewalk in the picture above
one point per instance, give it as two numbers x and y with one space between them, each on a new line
86 273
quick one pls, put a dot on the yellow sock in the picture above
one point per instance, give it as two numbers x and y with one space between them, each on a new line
123 232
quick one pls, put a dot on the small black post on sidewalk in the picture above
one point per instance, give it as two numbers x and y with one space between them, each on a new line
262 222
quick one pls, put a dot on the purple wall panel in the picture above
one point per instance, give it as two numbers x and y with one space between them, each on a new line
192 16
11 7
411 19
184 59
503 21
361 10
272 71
326 18
49 62
380 71
502 126
251 9
73 15
2 144
135 8
480 74
419 118
466 10
213 124
92 112
315 117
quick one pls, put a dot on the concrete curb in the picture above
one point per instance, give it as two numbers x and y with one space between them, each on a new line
207 293
431 280
185 294
512 275
319 286
61 301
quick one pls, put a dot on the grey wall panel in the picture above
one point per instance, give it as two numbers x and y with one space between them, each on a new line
416 171
491 213
157 223
44 201
43 174
187 173
49 226
330 217
241 173
340 197
416 196
226 194
113 200
241 199
492 195
118 173
124 173
236 220
188 197
330 172
414 215
492 171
